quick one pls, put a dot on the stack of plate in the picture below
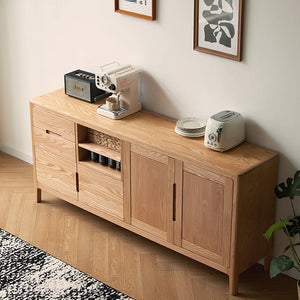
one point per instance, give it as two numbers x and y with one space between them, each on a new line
190 127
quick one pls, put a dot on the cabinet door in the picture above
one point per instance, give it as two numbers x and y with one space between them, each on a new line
151 192
206 214
54 150
56 173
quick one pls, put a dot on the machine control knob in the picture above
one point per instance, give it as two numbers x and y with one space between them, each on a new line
212 137
105 79
112 87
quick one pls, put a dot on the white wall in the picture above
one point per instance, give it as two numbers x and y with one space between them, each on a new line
42 40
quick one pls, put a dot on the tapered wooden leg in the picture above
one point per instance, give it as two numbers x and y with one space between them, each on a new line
233 284
267 262
38 195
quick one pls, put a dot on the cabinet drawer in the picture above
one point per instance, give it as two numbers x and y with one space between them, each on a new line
100 191
53 124
54 143
56 172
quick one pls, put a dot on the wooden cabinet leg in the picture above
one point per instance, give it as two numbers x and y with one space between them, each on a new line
267 262
38 195
233 284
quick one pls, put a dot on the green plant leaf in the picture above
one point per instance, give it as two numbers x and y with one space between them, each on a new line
283 190
280 264
296 185
290 189
293 226
276 227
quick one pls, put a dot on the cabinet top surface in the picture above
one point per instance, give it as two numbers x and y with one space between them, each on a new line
157 132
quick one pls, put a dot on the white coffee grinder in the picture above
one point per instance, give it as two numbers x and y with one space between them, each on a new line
122 82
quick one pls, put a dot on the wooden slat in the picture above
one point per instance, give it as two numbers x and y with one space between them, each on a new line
28 220
41 228
167 282
116 263
13 222
85 246
150 276
133 274
70 242
5 199
56 232
183 284
100 267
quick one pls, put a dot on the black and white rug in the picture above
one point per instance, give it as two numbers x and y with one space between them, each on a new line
27 272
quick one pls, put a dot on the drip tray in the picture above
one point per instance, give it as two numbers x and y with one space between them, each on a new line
102 108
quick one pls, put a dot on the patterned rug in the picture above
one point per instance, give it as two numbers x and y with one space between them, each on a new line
27 272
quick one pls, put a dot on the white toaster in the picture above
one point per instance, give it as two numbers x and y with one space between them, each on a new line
224 130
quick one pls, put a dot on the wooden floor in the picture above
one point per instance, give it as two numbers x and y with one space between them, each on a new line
117 257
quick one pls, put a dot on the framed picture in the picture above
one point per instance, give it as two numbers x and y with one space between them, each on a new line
139 8
218 27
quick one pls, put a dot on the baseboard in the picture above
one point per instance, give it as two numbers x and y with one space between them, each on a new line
16 153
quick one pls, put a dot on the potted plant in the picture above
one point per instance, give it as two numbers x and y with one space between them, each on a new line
290 226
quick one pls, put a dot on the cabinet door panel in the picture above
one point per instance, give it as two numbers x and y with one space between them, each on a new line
56 172
206 217
100 191
149 195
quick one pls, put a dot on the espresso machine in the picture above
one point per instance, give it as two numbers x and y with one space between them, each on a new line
122 82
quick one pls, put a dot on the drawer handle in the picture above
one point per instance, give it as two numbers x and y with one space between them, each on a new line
52 132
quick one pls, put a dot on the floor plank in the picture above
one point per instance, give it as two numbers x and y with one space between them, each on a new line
56 232
116 262
13 222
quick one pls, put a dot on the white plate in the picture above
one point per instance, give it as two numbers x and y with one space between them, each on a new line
191 124
190 134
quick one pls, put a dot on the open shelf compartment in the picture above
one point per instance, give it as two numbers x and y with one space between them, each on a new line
90 140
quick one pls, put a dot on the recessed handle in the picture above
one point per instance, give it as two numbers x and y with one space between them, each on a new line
77 182
52 132
174 202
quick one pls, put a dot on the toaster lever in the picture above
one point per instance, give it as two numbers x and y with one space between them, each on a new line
219 131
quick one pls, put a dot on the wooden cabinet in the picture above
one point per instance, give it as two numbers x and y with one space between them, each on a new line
212 207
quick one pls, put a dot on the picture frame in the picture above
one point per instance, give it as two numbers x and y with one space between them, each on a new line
145 9
218 27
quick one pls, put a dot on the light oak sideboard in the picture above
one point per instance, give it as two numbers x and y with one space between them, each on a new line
212 207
